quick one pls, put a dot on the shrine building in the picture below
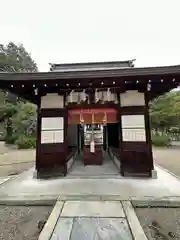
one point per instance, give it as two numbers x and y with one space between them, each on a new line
89 109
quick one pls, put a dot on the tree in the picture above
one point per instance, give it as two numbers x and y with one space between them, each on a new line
24 120
165 111
13 58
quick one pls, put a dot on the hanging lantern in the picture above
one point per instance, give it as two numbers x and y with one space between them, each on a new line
105 119
81 119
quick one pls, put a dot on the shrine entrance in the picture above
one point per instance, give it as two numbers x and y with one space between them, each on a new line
92 133
107 99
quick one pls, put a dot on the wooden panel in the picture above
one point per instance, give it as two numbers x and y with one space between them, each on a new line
52 100
134 110
135 158
98 118
134 162
95 158
132 98
92 115
132 146
54 147
53 112
52 155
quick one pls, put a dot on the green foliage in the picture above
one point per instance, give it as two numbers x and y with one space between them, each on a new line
7 111
26 142
161 141
18 117
24 121
15 58
11 139
165 111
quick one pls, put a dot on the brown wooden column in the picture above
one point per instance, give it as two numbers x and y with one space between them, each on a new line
135 139
51 136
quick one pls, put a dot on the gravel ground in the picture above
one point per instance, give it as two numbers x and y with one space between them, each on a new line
13 169
160 223
21 222
14 161
168 158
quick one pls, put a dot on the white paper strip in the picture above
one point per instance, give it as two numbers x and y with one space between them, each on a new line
52 123
133 135
133 121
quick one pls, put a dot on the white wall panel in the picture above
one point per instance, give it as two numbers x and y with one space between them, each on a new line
52 136
59 136
133 135
52 100
52 130
47 137
132 98
50 123
133 121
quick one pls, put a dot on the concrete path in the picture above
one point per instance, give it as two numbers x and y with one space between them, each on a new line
25 185
79 220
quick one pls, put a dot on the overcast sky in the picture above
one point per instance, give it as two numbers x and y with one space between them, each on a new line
59 31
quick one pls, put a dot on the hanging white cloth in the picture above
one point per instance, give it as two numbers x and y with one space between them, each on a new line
92 147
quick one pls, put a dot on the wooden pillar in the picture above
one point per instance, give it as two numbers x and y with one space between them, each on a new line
51 136
135 140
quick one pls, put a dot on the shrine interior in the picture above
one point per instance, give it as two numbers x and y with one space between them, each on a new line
106 138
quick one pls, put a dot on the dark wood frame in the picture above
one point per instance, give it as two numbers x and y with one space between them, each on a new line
136 157
51 158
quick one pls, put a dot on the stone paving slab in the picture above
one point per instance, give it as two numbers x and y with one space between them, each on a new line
92 209
100 228
63 229
91 228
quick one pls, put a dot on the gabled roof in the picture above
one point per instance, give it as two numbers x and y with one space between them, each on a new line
161 79
88 66
125 73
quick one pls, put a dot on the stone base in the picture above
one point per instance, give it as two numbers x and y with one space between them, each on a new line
50 173
35 174
154 174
